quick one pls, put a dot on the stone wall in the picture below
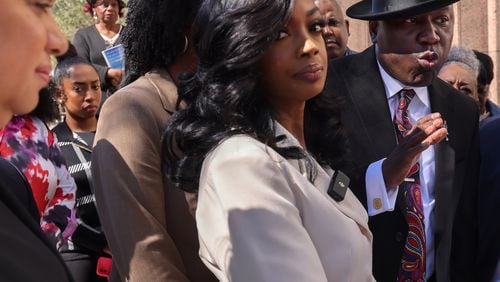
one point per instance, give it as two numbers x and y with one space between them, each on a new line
477 26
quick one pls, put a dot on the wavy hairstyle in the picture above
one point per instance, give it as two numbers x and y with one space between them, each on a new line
155 34
47 108
223 96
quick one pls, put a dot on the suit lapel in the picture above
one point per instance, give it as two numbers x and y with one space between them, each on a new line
165 88
444 157
350 206
64 134
369 101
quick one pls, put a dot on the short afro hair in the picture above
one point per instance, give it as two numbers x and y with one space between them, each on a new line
464 57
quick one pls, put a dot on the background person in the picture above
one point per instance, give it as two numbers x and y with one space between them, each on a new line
419 187
91 41
27 254
460 70
146 220
487 107
240 143
336 31
78 87
489 228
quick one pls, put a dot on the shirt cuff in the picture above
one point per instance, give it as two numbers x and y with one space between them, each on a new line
379 198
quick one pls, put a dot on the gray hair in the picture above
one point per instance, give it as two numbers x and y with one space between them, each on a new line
464 57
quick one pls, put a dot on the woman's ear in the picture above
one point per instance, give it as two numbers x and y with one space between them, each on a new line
60 96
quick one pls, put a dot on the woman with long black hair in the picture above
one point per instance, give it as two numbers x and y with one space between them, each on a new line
264 213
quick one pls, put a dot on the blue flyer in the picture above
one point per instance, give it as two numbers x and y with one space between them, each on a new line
115 56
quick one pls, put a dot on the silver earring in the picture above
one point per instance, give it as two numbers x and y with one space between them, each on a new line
94 15
186 43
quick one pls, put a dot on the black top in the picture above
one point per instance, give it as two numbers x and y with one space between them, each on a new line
88 137
78 151
20 187
26 252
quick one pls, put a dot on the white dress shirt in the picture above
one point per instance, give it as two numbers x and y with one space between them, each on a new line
379 198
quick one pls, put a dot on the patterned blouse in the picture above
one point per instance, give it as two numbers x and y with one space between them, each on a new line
28 144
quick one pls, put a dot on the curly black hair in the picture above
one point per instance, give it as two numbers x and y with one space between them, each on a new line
486 73
223 97
155 34
47 108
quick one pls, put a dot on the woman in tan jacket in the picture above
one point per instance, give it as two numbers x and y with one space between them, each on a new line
150 232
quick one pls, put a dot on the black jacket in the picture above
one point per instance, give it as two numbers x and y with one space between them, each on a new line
367 120
26 252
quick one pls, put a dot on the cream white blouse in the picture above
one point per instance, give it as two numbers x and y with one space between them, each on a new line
260 219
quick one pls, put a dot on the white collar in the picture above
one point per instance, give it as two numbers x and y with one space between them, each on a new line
290 140
393 86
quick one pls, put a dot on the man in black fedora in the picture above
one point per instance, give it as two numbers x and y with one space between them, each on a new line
414 142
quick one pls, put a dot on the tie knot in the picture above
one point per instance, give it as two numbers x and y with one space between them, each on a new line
406 95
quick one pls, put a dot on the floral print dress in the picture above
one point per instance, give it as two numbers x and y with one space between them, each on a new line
28 144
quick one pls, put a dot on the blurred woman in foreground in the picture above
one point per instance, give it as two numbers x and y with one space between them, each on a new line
29 36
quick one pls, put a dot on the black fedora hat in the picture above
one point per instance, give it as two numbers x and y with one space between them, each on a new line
387 9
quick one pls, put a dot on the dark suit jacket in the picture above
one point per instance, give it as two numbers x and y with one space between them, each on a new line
366 117
489 199
494 112
26 253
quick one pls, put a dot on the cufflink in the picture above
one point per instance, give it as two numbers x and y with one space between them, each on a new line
377 203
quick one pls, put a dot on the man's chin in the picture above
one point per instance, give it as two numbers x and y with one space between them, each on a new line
422 79
334 53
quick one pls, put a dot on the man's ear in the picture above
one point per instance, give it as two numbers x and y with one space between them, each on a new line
347 27
373 28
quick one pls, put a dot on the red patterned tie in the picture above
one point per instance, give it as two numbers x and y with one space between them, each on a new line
413 258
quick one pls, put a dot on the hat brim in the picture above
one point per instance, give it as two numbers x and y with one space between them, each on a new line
363 10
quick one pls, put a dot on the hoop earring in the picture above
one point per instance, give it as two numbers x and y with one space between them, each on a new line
186 44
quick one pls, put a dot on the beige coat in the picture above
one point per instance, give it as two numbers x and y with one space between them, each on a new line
150 232
260 219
